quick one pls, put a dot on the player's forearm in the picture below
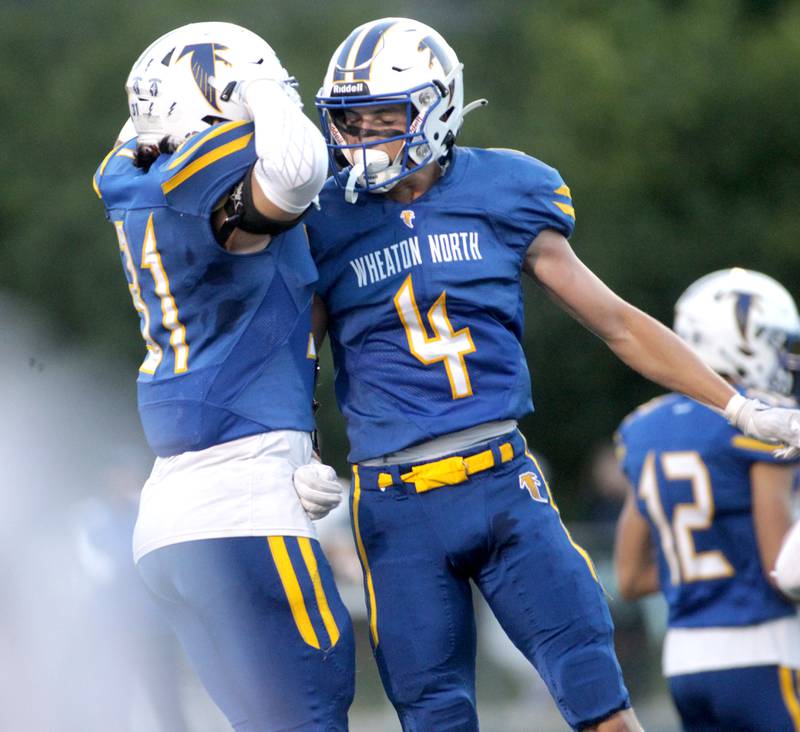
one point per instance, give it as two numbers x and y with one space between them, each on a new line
292 156
633 586
657 353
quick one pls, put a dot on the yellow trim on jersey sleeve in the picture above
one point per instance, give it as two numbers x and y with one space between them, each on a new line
563 191
96 177
319 591
566 208
205 160
291 587
215 132
750 443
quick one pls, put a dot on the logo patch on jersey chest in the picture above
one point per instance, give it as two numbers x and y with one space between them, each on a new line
408 217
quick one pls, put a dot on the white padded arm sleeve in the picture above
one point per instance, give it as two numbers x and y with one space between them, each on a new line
292 155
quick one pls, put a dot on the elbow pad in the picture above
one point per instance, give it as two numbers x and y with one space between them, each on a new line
292 155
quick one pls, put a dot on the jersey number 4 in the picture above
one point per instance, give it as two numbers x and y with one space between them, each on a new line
446 346
151 260
685 563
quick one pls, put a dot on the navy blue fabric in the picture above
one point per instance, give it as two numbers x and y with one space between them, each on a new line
733 700
424 550
226 603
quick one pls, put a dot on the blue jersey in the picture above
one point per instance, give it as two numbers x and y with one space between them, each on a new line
691 473
424 298
227 335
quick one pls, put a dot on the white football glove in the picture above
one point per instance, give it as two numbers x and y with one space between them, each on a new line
318 488
787 566
771 424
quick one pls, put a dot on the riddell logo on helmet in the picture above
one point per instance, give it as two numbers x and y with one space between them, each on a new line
356 88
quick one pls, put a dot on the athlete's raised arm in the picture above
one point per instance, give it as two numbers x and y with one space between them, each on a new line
637 339
292 157
645 344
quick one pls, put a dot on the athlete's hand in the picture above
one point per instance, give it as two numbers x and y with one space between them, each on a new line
787 566
318 488
771 424
243 90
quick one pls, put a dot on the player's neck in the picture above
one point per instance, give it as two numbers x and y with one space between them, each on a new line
411 188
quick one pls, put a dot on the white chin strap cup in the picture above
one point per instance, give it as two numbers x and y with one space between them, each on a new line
369 166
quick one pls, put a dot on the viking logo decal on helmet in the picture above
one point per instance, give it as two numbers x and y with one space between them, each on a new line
173 88
744 301
202 57
744 325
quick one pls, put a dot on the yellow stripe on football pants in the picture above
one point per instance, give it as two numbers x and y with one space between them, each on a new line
789 694
578 548
373 610
319 591
277 546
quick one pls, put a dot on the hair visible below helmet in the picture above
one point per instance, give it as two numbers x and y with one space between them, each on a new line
393 61
744 325
177 86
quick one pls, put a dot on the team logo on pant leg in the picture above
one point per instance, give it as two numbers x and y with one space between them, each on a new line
531 482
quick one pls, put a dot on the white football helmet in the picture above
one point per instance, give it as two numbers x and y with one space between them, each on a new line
393 61
745 326
183 81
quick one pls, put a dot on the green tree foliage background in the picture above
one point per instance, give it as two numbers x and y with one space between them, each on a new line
674 123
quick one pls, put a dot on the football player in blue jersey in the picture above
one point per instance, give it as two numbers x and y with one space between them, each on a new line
708 511
204 196
420 247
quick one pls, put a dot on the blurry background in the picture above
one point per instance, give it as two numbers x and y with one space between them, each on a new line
674 122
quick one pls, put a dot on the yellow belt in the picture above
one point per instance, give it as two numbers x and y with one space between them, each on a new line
449 471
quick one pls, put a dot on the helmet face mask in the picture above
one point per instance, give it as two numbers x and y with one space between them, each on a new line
745 326
386 63
174 87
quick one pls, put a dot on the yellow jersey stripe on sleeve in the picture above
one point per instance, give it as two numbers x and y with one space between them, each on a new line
566 208
101 169
291 586
563 191
750 443
206 160
216 131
